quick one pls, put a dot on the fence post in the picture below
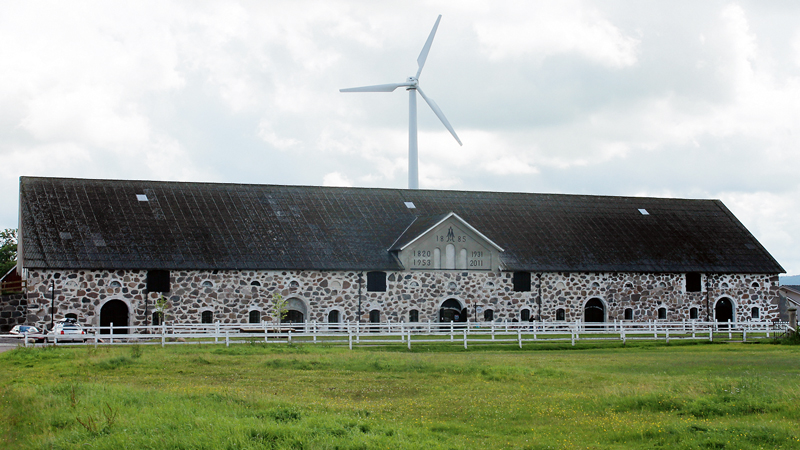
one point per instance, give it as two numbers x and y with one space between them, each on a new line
465 339
744 335
216 333
710 333
492 330
409 338
349 337
622 334
534 331
290 335
693 330
163 333
314 330
573 337
402 331
519 337
227 338
667 335
26 339
111 333
358 332
451 331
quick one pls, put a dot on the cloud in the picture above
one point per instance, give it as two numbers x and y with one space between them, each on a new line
336 179
556 28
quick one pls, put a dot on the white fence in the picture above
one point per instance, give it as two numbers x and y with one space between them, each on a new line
388 333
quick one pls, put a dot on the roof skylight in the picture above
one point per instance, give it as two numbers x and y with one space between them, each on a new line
644 212
141 197
410 205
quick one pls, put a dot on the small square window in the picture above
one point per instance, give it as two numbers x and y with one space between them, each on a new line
410 205
142 197
643 212
693 282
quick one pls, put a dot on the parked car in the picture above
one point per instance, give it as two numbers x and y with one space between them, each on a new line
69 330
33 333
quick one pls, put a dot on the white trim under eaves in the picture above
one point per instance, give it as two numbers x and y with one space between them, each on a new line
452 214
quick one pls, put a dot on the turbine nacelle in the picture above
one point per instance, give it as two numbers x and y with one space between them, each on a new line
412 84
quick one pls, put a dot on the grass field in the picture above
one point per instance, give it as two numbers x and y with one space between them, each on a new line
597 396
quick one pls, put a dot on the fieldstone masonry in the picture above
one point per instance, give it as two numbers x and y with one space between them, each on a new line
231 295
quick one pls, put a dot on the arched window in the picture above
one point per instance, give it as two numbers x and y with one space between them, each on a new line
662 313
207 283
72 316
693 313
294 284
628 313
755 313
207 317
450 256
488 315
254 316
413 315
115 284
452 286
333 316
157 318
525 315
255 283
755 285
462 259
561 314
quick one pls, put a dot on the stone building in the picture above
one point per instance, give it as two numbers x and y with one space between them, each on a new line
104 251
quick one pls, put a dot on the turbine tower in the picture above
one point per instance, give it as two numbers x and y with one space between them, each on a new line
412 86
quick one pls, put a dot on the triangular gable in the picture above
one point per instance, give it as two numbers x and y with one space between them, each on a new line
413 233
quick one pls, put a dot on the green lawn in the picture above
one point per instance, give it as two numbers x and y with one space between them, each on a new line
596 395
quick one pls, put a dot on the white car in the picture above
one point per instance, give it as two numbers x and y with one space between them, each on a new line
29 331
68 330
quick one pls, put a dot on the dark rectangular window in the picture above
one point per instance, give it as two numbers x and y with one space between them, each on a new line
522 281
158 281
628 314
413 316
693 283
376 281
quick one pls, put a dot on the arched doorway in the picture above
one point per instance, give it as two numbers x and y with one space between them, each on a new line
295 311
116 312
451 310
594 311
723 310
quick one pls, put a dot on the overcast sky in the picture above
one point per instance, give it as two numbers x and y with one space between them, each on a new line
663 98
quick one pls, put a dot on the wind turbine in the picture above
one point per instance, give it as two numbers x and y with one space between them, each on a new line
412 86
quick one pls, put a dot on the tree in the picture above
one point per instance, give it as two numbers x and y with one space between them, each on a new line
279 306
161 307
8 250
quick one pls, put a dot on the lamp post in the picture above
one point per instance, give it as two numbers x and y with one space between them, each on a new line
359 296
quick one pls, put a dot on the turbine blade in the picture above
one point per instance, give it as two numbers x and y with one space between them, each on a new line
376 88
439 114
423 55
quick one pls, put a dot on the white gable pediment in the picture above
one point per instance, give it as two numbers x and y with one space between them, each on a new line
450 244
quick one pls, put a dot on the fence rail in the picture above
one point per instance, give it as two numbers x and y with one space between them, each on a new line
388 333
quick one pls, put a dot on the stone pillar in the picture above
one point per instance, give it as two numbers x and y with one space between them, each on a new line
792 317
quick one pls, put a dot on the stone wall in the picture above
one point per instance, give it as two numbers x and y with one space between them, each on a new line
13 311
231 295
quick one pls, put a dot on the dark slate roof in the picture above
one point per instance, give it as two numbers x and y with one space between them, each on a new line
100 224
